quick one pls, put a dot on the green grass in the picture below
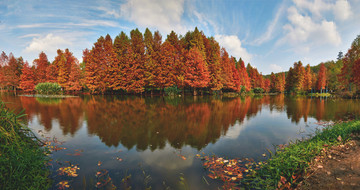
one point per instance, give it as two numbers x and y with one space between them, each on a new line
22 160
293 161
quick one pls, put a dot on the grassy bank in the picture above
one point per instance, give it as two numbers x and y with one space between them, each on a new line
22 160
287 166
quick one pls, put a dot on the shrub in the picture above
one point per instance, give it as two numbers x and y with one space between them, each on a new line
48 88
243 89
258 90
172 90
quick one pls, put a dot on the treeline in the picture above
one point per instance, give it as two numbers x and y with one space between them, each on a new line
144 63
342 75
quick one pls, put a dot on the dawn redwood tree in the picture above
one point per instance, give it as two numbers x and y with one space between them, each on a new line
90 71
109 65
256 78
41 65
99 59
133 78
164 73
290 81
197 75
347 74
135 66
307 78
213 60
267 85
121 47
52 73
226 75
179 67
244 76
151 59
272 82
299 73
63 73
74 79
3 62
356 77
12 71
321 82
235 76
27 78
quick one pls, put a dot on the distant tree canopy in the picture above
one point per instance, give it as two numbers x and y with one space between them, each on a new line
144 62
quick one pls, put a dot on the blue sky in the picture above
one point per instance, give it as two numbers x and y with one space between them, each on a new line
269 34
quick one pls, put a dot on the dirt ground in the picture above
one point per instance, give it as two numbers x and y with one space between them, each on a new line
337 168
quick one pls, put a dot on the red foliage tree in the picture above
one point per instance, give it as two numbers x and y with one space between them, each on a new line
109 64
321 82
213 61
74 79
12 71
307 78
164 73
99 60
244 76
121 47
60 64
41 65
3 62
197 75
27 78
356 77
267 85
227 75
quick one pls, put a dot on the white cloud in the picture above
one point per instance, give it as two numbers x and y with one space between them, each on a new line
268 35
205 22
303 29
342 10
48 43
164 15
233 45
316 7
29 35
276 68
109 12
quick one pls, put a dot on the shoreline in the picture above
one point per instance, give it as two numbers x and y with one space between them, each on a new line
289 166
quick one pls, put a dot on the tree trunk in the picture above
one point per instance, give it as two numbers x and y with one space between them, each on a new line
195 93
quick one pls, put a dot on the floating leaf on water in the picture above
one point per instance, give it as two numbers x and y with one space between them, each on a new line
99 163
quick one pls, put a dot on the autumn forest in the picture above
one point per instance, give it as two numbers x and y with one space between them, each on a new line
144 63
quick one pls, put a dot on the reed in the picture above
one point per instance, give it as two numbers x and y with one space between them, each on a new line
22 159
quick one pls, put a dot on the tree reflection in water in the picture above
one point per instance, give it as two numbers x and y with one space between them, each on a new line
149 123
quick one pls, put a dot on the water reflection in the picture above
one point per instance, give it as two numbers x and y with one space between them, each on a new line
151 123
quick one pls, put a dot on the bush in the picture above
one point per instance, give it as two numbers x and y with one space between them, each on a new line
258 90
172 90
243 89
48 88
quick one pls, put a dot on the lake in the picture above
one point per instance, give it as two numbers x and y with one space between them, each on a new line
140 142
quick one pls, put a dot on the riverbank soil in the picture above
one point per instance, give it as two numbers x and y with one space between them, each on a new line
337 168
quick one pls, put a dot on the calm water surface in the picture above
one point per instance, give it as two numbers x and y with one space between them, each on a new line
153 135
